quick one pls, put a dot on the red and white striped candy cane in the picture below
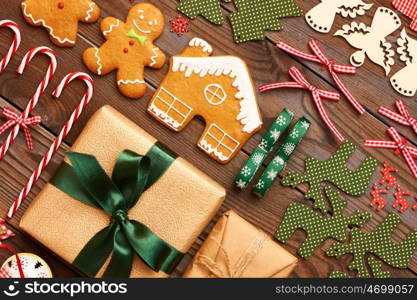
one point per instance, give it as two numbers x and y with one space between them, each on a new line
35 98
58 140
15 44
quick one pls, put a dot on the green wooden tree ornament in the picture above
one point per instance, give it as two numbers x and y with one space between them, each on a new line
374 265
334 170
378 243
209 9
319 228
254 17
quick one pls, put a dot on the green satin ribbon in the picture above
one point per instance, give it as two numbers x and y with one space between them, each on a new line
86 181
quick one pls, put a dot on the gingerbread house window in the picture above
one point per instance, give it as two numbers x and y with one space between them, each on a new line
215 94
220 141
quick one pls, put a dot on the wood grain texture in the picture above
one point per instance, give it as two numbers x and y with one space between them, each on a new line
266 64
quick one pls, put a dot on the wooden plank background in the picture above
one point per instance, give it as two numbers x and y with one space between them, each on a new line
267 64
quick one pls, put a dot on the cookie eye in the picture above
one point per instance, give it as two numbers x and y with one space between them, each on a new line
150 23
141 17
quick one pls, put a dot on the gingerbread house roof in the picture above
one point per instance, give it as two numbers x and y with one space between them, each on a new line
233 67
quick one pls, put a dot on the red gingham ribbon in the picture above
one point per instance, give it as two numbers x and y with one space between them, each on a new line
408 8
403 117
18 262
15 120
329 64
318 94
400 145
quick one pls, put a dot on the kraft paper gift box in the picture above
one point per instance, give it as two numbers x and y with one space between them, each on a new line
176 208
237 249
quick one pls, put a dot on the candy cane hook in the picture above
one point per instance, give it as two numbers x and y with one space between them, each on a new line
15 44
58 140
20 122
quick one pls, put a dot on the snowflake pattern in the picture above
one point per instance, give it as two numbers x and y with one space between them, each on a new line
258 158
281 120
289 148
260 184
305 124
246 171
294 134
275 134
241 184
179 25
278 161
272 174
263 144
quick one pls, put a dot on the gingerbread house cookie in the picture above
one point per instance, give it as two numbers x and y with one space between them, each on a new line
60 17
217 88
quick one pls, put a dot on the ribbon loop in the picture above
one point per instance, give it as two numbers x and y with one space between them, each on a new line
403 117
18 121
87 182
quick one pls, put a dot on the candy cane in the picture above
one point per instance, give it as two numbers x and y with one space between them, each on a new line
35 98
58 140
15 44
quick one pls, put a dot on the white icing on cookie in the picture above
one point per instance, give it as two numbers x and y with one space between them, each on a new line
212 150
136 81
92 5
49 28
154 57
112 26
233 67
197 42
98 62
140 29
163 116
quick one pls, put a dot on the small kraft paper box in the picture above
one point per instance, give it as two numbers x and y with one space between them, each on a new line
237 249
175 208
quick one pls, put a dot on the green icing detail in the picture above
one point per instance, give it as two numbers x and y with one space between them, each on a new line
141 39
319 228
209 9
334 170
378 243
376 269
254 17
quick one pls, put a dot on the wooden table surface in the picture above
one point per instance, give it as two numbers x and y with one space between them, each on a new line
267 64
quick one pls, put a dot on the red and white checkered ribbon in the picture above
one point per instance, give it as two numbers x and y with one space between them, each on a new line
328 64
400 145
15 44
408 8
318 94
3 272
403 117
16 120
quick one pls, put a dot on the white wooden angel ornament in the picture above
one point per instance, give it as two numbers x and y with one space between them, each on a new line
321 17
371 40
405 80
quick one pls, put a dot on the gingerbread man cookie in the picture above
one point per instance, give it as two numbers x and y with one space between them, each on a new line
60 17
129 48
216 88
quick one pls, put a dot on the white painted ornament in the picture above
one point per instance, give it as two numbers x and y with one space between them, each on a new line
321 17
33 266
405 80
371 40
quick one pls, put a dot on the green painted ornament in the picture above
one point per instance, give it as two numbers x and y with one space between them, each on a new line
254 17
319 228
209 9
375 266
378 243
334 170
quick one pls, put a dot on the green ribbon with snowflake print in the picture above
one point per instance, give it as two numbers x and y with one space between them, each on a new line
283 155
266 145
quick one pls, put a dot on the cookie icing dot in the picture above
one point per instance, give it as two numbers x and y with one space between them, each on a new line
61 5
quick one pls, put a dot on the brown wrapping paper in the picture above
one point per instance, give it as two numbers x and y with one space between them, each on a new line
177 207
236 248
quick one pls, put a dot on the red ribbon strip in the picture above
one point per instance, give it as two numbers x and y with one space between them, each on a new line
329 64
15 120
400 145
403 117
19 263
318 94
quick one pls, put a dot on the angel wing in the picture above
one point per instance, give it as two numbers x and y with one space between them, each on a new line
404 81
355 34
321 16
353 8
385 22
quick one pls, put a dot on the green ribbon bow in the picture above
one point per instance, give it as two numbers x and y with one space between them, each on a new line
141 38
133 174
